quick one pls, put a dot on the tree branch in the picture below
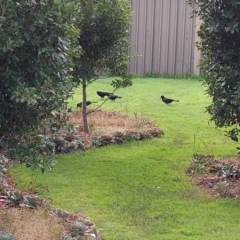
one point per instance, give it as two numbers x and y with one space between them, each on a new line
97 107
100 104
2 66
37 6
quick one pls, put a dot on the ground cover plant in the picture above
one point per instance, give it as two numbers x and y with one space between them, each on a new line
139 190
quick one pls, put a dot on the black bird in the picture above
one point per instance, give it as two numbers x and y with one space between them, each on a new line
168 100
103 94
113 97
87 103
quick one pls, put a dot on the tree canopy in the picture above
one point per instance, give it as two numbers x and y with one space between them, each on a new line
104 40
220 48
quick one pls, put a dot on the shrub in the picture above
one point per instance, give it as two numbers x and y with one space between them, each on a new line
220 47
36 39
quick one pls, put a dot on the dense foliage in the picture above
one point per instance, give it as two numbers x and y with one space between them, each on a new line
104 41
47 48
220 47
36 37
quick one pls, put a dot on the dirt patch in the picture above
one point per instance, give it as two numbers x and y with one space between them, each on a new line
29 224
220 177
102 122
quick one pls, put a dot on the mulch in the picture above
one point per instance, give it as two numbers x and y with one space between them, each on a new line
219 177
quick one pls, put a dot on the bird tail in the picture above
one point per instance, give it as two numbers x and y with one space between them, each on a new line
176 100
119 97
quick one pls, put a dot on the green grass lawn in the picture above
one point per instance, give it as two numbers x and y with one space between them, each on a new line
139 190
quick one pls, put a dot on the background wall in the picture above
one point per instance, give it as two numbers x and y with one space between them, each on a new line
163 34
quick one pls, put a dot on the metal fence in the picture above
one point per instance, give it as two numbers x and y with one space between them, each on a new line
163 34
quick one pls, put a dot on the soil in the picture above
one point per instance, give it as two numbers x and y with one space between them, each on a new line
219 177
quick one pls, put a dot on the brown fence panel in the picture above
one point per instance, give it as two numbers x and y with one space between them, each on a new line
163 35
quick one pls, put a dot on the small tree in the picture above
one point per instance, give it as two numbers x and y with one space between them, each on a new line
35 39
104 41
220 48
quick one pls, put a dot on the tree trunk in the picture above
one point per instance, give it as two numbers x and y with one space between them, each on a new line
84 109
37 6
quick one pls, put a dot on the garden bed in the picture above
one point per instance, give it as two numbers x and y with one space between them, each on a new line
220 177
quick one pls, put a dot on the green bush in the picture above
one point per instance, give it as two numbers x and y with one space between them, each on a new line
220 47
36 40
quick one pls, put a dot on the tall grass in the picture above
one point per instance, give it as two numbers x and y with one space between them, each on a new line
139 190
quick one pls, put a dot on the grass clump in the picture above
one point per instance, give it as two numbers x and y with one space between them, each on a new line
200 163
29 224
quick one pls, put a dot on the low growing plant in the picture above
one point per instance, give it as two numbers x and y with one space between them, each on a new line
187 75
229 171
222 188
7 236
200 163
